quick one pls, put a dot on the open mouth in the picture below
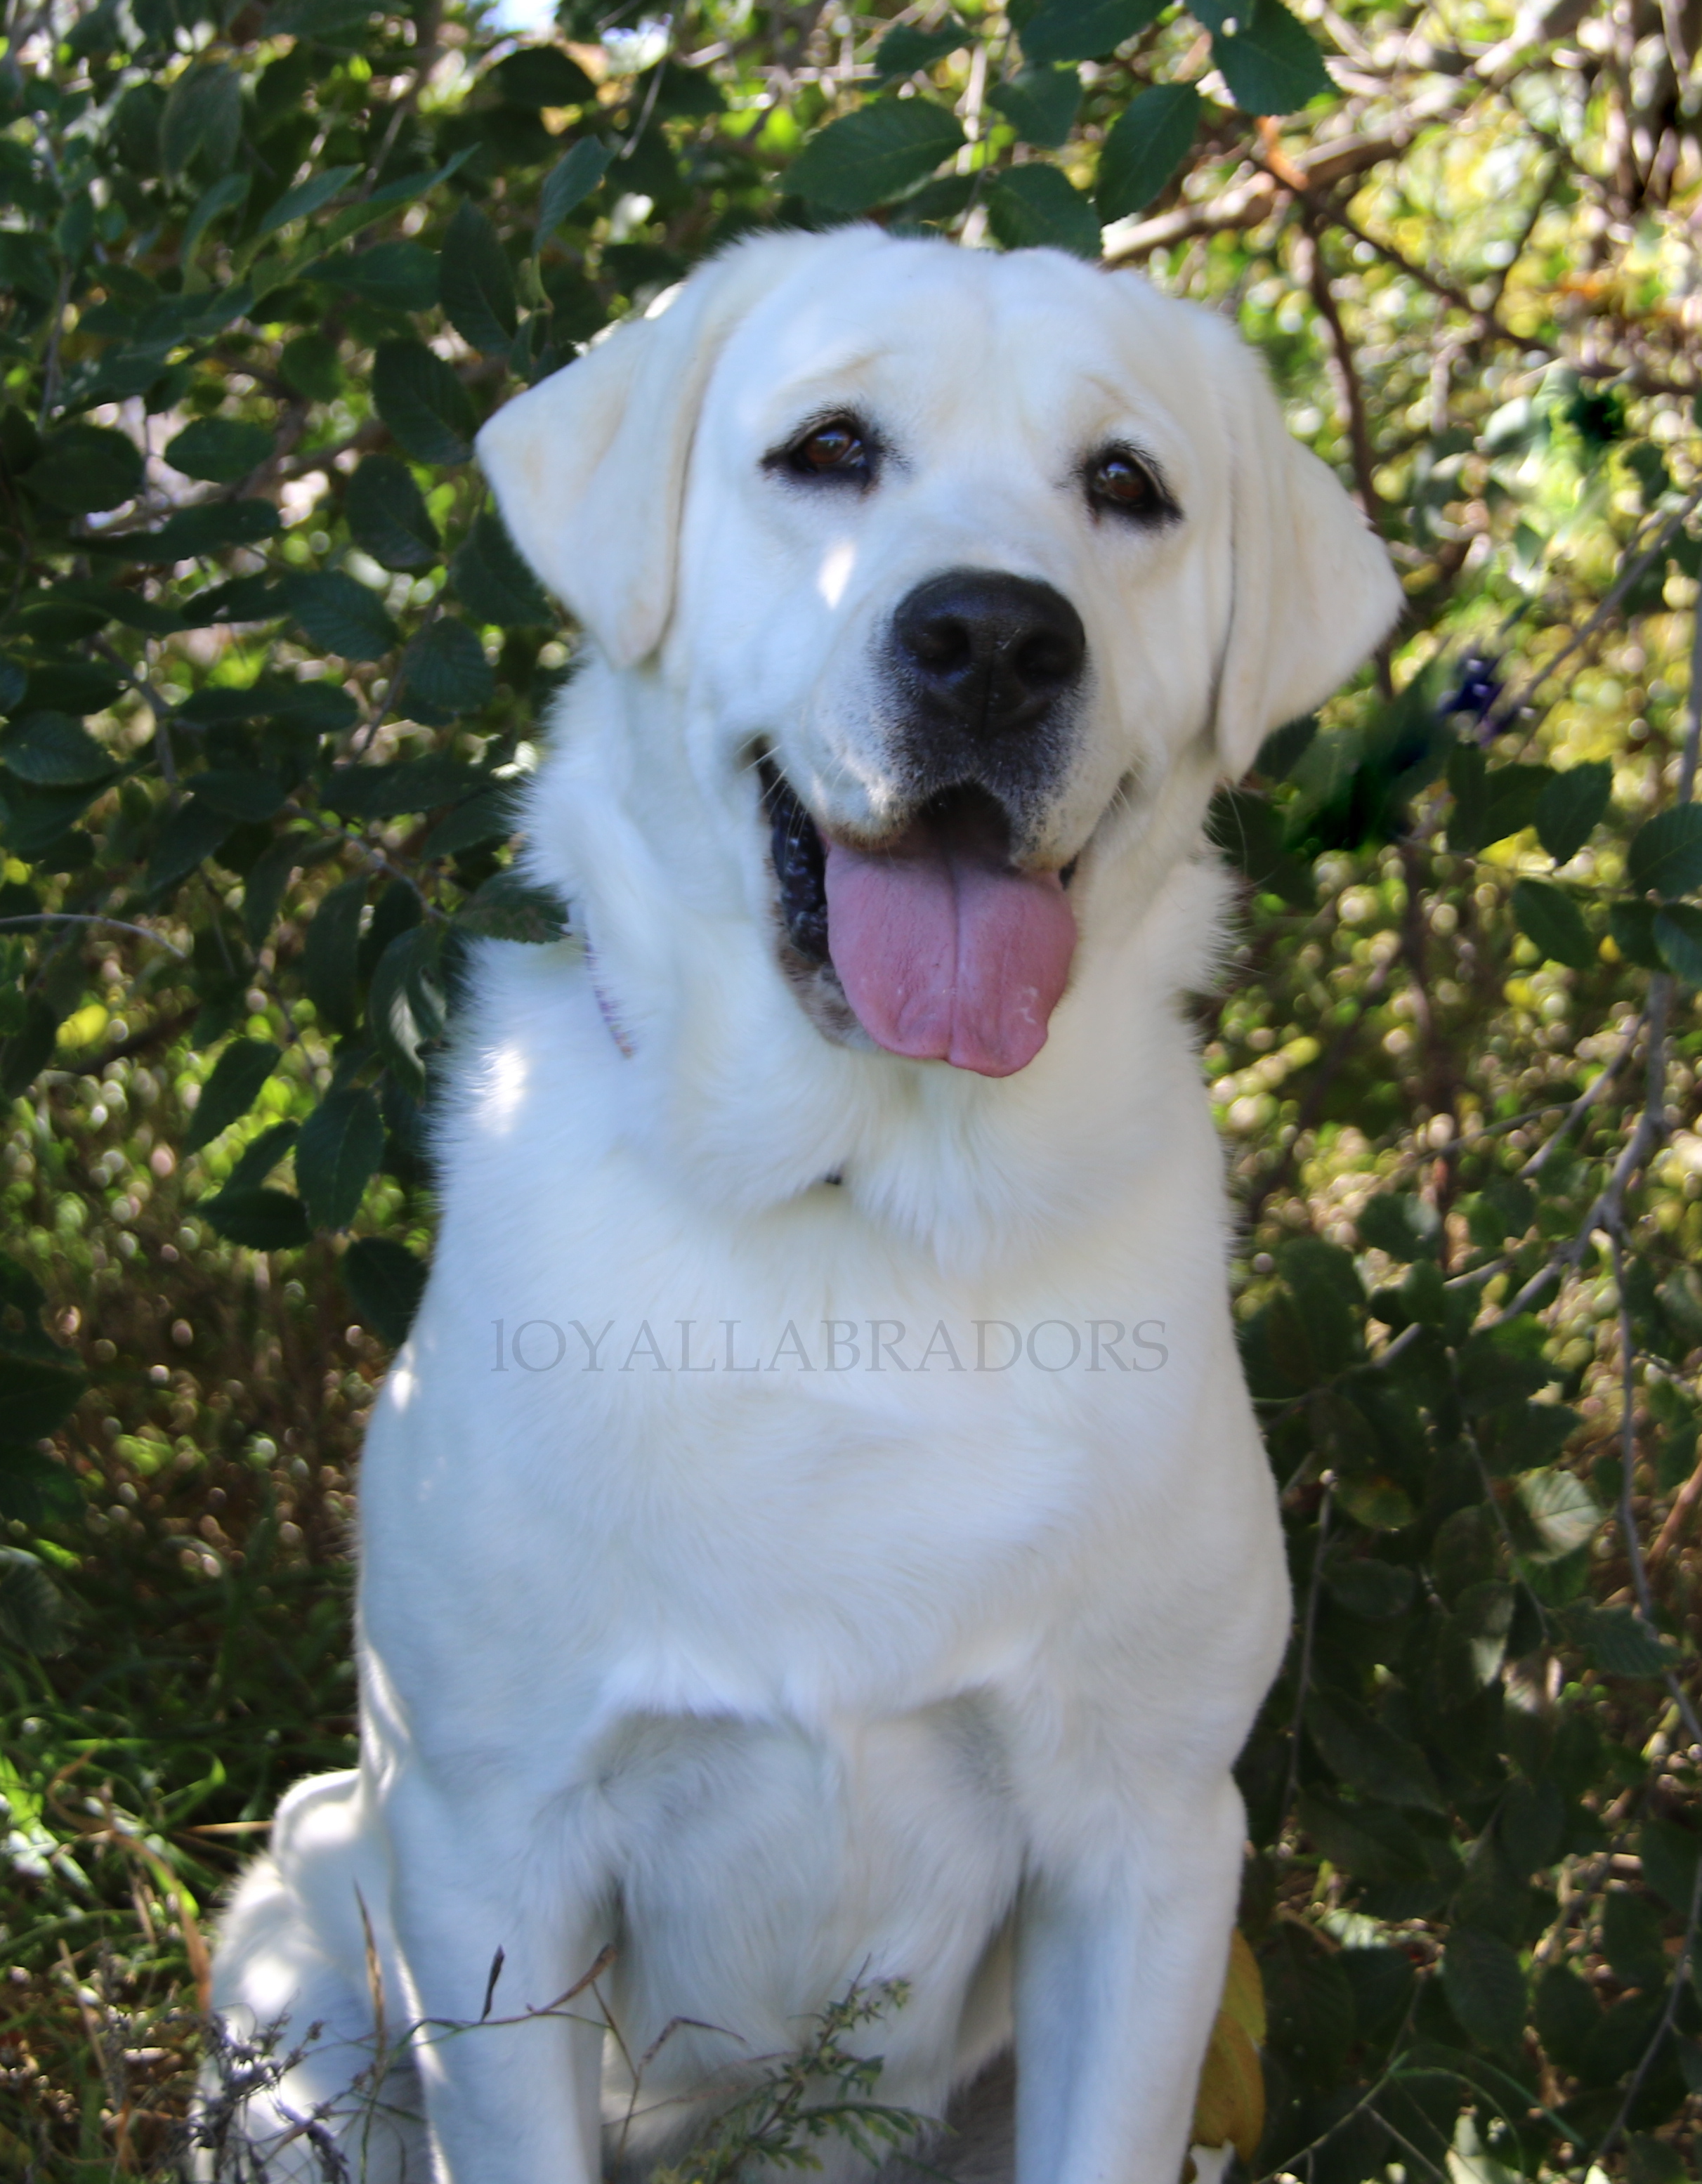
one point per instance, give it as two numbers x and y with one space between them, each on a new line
943 948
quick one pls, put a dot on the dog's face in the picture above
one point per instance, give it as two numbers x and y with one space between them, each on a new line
954 560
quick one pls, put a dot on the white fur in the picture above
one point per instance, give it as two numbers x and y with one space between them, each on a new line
782 1679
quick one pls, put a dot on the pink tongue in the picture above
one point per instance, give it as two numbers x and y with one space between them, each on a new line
944 952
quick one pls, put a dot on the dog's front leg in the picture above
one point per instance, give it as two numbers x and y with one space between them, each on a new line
1121 1947
511 2084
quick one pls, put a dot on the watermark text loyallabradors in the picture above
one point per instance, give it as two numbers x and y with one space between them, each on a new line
828 1345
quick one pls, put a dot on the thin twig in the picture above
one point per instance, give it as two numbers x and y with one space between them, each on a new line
1343 371
1585 1100
84 917
1508 713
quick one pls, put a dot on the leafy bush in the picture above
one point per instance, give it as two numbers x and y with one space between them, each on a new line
270 671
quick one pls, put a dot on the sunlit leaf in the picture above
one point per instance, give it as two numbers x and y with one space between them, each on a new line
1550 917
476 287
1083 30
422 401
385 1283
386 514
337 1155
865 157
1144 147
232 1089
1036 207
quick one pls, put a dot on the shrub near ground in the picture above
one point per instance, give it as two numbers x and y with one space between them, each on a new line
270 673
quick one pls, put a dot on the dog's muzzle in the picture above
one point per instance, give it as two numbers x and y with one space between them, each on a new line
946 939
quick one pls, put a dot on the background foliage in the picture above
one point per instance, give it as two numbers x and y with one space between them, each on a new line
269 670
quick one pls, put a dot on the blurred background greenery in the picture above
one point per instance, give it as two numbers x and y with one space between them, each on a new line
272 673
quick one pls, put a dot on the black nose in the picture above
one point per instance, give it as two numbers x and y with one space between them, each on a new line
990 651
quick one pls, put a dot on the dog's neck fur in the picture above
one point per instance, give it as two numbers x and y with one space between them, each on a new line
671 892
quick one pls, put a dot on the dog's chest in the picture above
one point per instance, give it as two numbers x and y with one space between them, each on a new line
765 1867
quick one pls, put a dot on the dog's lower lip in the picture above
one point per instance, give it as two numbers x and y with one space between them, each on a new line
799 858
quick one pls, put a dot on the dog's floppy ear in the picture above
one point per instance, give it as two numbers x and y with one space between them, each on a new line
1312 588
589 467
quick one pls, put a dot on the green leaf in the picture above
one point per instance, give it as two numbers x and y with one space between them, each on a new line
476 285
1669 1854
192 532
1036 207
309 364
258 1160
85 470
267 877
1525 1436
1631 1935
1666 853
1376 1592
492 815
31 1612
399 277
54 750
1618 1642
337 1155
423 404
241 793
306 198
329 954
445 667
494 583
1361 1751
1561 1509
29 1047
1311 2002
187 838
1083 30
320 708
25 264
1550 917
1570 807
508 906
337 21
905 48
219 449
406 1008
1678 936
1631 921
1269 61
264 1220
203 117
1146 144
37 1392
225 196
385 1283
542 75
568 184
1400 1223
232 1089
1040 104
409 784
1490 1371
1485 1986
1376 1502
387 515
341 616
863 158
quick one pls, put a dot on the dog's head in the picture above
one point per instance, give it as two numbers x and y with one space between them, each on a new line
968 573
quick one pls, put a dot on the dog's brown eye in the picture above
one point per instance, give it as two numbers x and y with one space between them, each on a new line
1120 483
836 449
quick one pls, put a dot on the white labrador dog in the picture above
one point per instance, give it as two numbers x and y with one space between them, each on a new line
817 1535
